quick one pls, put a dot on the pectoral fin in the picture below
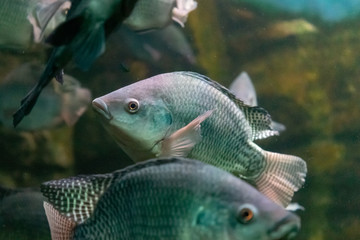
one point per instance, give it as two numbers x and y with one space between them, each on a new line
61 227
180 143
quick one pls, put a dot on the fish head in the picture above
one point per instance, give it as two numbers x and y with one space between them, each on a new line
137 117
257 217
74 99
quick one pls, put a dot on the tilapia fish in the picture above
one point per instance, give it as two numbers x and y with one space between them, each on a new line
164 199
162 115
22 213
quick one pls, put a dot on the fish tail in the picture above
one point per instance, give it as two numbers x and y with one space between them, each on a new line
283 175
28 102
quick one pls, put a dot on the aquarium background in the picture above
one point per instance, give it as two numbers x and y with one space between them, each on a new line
307 76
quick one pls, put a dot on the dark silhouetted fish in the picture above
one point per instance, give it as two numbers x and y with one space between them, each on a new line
175 199
59 104
81 38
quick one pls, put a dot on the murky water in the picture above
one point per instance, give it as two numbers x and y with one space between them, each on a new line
305 68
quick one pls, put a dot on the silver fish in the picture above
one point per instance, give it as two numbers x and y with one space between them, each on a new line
175 198
23 23
161 116
60 104
155 14
243 88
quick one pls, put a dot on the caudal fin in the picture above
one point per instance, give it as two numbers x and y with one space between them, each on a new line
283 175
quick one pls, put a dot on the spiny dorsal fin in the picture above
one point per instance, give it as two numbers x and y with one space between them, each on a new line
76 197
258 118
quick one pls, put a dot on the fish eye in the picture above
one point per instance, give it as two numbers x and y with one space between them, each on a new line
65 11
246 213
133 105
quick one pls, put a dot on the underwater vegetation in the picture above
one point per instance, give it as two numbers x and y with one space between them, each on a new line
303 61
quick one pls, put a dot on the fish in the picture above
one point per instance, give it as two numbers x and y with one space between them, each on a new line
24 23
243 88
60 104
156 14
152 46
22 212
186 114
165 198
285 29
80 38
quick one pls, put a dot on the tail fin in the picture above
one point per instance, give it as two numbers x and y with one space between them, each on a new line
283 175
28 102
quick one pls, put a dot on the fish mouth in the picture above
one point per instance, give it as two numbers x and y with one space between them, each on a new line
285 229
101 107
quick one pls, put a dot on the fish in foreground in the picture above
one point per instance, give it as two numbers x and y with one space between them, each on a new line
59 105
23 23
81 38
169 198
187 114
243 88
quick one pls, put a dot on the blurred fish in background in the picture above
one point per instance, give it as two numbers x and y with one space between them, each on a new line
243 88
22 215
168 198
82 36
155 14
60 104
151 46
24 23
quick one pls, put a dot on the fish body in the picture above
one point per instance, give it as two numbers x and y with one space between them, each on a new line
152 46
60 104
187 114
164 199
155 14
243 88
23 23
22 212
81 38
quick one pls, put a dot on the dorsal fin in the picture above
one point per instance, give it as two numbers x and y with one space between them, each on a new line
258 118
76 197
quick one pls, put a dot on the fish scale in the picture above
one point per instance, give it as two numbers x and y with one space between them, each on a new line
189 115
230 157
167 199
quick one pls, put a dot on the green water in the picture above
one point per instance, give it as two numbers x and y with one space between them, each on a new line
307 81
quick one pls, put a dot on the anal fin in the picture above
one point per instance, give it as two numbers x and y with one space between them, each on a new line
283 175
